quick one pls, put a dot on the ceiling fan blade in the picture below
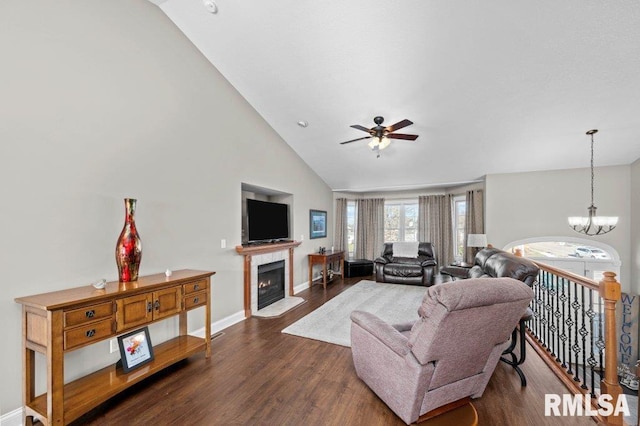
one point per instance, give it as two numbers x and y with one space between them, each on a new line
364 129
399 125
355 140
402 136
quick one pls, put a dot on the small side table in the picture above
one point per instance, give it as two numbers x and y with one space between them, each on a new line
323 259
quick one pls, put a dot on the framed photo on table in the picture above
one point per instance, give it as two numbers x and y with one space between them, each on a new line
317 224
135 349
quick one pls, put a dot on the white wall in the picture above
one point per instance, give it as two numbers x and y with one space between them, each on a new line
635 223
537 204
106 100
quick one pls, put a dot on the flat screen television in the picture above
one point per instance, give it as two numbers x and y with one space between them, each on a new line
267 221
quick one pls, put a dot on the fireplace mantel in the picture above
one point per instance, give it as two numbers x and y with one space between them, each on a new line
266 248
258 249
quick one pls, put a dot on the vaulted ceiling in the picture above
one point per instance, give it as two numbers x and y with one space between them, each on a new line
492 86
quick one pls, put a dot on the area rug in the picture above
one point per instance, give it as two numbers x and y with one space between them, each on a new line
331 322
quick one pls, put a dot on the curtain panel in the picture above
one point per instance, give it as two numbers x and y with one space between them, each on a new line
474 220
435 225
369 228
340 232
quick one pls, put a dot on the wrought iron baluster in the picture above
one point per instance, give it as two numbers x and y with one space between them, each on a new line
576 347
592 360
563 336
600 343
569 322
546 314
537 311
584 332
552 318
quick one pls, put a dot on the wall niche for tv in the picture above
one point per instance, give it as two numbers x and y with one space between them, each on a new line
267 214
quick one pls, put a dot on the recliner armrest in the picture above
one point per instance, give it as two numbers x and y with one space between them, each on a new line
387 334
382 260
429 262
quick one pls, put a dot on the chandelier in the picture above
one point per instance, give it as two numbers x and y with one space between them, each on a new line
592 224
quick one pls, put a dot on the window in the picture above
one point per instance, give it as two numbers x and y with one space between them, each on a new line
562 249
459 212
400 220
580 256
351 228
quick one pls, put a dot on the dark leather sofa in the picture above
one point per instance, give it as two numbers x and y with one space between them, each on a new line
406 270
496 263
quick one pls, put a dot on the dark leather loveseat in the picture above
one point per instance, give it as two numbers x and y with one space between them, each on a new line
418 270
496 263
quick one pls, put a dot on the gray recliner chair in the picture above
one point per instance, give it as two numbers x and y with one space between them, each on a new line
448 354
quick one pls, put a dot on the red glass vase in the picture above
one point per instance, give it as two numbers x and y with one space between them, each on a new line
129 245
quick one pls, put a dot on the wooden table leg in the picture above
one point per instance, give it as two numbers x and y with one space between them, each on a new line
310 271
324 273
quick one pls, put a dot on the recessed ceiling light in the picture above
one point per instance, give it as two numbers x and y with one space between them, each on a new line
302 123
210 5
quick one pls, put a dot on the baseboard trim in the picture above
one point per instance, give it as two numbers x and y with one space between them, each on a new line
12 418
220 324
301 287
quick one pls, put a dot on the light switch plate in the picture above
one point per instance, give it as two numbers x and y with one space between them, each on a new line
113 346
223 243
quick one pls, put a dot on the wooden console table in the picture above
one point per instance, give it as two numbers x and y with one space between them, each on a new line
324 259
62 321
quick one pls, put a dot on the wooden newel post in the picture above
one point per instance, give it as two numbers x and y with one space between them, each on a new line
610 292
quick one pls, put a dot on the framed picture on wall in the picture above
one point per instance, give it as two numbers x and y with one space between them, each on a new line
135 349
317 224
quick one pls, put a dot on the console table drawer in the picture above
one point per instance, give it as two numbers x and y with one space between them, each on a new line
87 334
88 314
194 300
195 287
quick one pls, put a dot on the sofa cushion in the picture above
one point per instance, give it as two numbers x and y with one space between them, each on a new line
403 270
505 264
477 272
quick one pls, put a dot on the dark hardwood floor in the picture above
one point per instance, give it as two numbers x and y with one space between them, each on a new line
259 376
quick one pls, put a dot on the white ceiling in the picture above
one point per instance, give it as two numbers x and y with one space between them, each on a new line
492 86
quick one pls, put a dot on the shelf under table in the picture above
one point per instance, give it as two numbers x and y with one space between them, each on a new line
84 394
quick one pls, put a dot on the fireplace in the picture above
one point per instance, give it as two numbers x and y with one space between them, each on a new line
270 283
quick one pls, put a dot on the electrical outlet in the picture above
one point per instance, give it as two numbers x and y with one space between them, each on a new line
113 346
301 237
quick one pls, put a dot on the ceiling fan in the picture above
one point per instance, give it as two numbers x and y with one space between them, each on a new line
380 136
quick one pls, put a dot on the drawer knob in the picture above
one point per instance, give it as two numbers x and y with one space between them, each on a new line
157 305
149 307
91 333
196 300
196 287
90 314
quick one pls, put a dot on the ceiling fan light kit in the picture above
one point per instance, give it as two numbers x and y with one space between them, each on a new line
381 136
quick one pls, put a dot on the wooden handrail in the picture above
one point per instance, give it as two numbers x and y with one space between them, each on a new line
579 279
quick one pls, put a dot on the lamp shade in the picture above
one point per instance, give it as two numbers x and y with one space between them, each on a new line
477 240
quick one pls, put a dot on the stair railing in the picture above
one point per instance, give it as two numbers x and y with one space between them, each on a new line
574 331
